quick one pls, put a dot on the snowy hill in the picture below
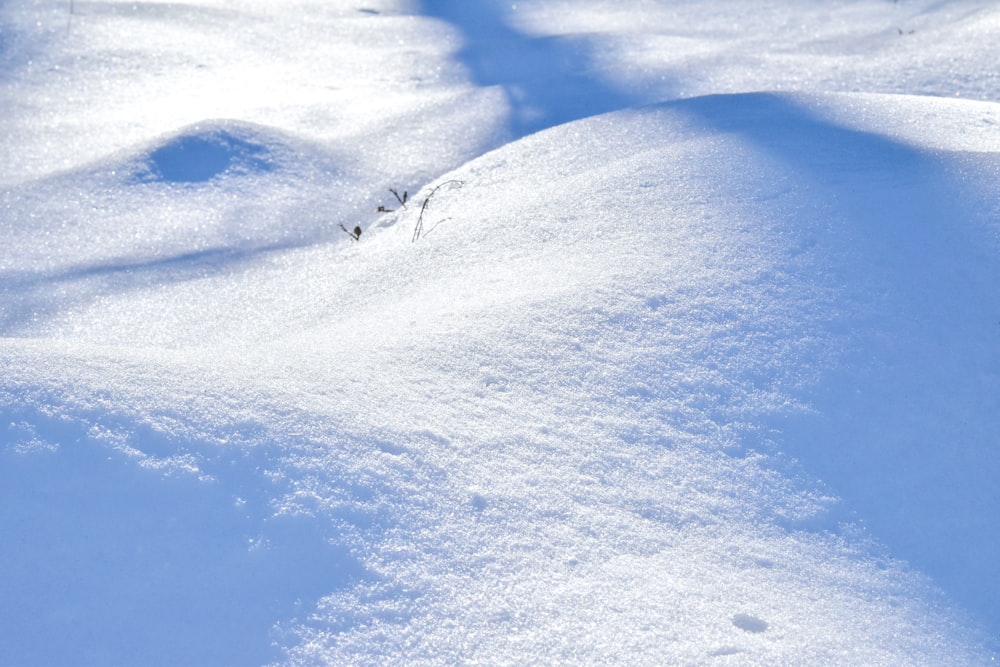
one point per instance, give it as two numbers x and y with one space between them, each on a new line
710 380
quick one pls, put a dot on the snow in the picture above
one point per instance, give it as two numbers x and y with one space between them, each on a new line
689 358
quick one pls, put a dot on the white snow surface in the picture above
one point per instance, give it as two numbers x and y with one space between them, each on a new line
682 350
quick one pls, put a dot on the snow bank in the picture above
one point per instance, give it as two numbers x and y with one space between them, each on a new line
552 427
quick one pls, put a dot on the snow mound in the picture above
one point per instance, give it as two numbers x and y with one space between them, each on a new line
557 427
707 381
174 210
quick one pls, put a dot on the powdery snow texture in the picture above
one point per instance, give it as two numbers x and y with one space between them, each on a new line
707 381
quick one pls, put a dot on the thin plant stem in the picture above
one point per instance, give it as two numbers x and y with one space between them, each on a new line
418 230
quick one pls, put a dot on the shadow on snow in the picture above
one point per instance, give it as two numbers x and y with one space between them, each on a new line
905 426
30 297
546 79
110 563
198 158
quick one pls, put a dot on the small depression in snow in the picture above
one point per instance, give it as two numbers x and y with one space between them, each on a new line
749 623
201 156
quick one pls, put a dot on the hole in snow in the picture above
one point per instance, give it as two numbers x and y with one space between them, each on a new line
200 157
479 502
749 623
655 302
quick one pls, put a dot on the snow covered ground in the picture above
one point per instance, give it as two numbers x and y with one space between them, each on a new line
690 358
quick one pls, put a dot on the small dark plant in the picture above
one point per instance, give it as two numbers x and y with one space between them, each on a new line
355 234
402 201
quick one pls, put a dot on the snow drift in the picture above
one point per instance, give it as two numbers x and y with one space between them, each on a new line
711 380
556 427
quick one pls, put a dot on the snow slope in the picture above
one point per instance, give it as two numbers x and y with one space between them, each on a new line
703 381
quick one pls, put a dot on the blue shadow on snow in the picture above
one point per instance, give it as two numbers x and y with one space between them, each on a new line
29 297
546 79
200 157
108 563
905 428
